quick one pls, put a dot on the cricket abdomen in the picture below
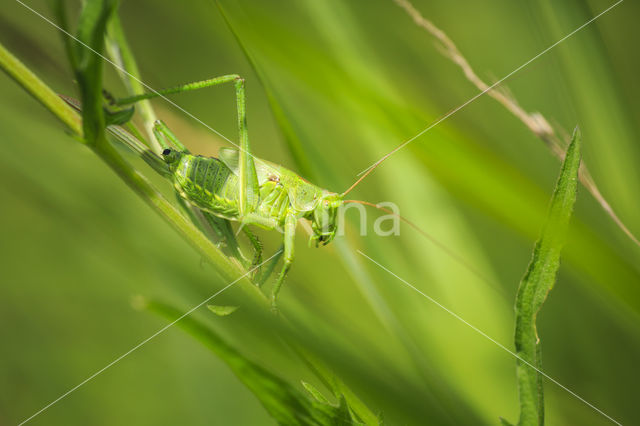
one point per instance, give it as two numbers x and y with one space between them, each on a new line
209 184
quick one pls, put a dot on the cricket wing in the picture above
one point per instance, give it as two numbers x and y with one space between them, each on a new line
231 158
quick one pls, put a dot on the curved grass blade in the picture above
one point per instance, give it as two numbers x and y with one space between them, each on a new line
536 284
40 91
284 403
120 53
87 66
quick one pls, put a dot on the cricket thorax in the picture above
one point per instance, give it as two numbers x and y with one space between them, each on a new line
274 201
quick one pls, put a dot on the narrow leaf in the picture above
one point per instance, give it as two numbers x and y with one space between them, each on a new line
222 311
29 81
284 403
120 53
87 63
315 393
536 284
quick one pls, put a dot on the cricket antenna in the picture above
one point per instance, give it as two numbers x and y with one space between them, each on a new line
434 240
375 165
369 170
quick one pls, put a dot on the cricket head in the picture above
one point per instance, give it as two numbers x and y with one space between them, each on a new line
172 158
324 218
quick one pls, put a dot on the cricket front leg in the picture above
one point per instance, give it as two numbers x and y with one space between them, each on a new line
289 237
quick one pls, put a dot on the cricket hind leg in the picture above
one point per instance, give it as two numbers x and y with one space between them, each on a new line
257 254
179 89
224 231
225 238
217 230
160 130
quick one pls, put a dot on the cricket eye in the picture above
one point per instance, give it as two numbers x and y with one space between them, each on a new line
166 152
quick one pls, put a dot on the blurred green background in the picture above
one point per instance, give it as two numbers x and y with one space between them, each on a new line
351 79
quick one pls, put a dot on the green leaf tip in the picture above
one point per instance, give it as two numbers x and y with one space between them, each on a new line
315 393
222 311
538 282
286 404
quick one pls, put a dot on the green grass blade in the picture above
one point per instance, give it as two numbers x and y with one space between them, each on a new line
40 91
284 403
120 53
536 284
88 65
